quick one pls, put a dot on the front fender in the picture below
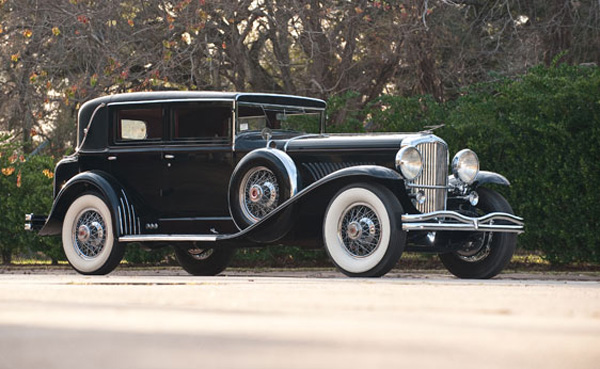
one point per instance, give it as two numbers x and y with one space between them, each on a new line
484 177
124 217
269 228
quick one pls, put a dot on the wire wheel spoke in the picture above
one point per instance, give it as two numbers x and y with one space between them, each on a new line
259 193
360 230
89 234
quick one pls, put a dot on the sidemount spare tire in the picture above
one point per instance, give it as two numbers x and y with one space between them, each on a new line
262 180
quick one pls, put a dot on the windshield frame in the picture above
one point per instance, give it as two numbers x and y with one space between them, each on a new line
277 107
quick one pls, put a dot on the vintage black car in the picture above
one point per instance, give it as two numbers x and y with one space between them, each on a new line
208 172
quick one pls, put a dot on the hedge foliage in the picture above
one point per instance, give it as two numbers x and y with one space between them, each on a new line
25 186
541 131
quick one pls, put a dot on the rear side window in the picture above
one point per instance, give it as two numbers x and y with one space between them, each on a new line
139 124
208 122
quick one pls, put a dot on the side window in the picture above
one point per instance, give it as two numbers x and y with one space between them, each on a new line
139 124
209 122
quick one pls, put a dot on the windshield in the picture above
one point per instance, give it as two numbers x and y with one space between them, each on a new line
255 117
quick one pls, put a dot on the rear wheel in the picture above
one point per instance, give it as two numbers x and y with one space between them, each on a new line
88 236
488 254
362 230
203 262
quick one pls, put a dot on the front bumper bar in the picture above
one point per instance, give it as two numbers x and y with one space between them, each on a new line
453 221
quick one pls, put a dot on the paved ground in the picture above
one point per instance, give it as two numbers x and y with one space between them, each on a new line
297 320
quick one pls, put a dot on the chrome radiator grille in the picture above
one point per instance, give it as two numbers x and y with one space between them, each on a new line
433 180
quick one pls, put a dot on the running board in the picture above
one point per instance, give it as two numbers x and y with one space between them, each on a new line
169 238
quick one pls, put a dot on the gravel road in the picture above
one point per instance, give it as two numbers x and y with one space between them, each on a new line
297 319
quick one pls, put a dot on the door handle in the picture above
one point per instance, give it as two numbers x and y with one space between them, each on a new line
169 156
112 158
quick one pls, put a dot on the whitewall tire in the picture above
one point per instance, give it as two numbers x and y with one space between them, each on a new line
362 230
88 236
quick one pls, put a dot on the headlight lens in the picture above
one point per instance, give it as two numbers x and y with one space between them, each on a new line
465 166
409 162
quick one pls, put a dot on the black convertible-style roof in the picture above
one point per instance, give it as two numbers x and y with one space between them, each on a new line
88 108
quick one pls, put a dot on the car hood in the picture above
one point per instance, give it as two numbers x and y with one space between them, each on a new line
348 141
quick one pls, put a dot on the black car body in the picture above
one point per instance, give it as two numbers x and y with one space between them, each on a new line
208 172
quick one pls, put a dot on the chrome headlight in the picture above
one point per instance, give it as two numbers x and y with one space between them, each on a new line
409 162
465 166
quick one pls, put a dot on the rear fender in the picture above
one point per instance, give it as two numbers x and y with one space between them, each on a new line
125 220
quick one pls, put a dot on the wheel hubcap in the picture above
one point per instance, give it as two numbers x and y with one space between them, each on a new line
83 233
360 230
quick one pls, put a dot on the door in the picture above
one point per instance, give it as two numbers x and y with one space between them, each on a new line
135 155
199 160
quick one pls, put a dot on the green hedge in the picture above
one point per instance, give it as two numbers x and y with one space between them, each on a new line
541 130
25 186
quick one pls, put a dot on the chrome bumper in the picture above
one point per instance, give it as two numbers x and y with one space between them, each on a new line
453 221
34 222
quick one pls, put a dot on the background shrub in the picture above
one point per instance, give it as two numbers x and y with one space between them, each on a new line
541 131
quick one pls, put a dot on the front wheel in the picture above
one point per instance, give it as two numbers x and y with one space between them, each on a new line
203 262
489 253
362 230
88 237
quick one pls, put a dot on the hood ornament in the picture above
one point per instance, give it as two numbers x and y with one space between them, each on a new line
430 129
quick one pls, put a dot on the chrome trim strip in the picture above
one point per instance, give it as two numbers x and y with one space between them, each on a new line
434 187
135 229
241 94
169 238
189 219
124 216
438 221
234 122
308 135
120 220
163 101
271 105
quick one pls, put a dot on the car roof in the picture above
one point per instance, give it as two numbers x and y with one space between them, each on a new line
98 105
168 96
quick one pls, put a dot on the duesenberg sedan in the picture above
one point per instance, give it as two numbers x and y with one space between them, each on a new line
209 172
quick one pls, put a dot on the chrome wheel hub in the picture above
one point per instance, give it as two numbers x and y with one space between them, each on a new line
354 230
255 193
360 230
83 233
89 234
